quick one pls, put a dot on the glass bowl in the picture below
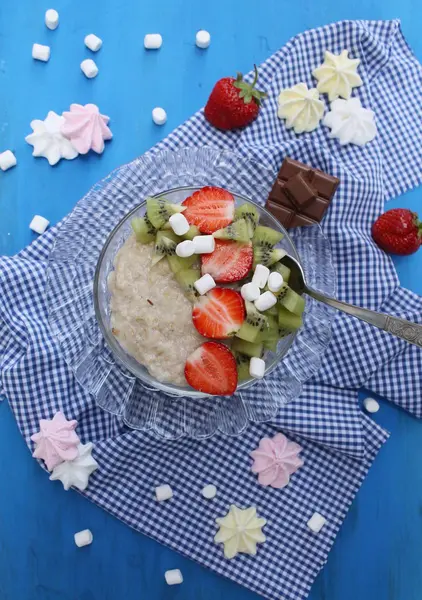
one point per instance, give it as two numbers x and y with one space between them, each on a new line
102 295
97 360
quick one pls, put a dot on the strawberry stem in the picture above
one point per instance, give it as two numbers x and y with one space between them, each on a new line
247 90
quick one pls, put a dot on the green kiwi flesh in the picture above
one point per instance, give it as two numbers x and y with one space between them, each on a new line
248 348
238 231
266 256
242 363
250 214
293 302
288 321
144 230
159 211
253 324
186 278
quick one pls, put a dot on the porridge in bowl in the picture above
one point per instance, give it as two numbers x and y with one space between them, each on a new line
200 294
150 315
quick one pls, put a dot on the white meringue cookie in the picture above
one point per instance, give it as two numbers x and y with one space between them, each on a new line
48 141
301 108
76 472
337 75
350 122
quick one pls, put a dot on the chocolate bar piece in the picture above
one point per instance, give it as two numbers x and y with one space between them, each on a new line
301 194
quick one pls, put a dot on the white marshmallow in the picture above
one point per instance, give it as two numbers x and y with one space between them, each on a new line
316 522
275 282
179 224
203 39
371 405
204 284
265 301
163 492
185 249
173 577
89 68
93 42
159 115
257 368
40 52
250 291
209 491
153 41
52 18
260 276
204 244
39 224
83 538
7 160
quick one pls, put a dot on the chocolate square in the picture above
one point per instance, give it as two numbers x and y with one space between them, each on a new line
299 191
301 195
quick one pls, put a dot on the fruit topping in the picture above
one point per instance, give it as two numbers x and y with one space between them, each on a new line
186 279
212 369
287 320
249 212
267 257
230 261
145 231
233 103
178 264
210 209
165 245
290 300
254 324
159 211
219 314
248 348
238 230
242 363
398 231
264 241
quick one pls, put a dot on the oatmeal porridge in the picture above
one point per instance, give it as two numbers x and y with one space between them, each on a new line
150 315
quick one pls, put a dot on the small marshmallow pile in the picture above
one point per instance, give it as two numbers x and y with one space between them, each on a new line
263 301
201 244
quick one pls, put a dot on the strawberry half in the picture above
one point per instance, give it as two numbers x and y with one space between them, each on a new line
230 261
212 369
219 314
210 209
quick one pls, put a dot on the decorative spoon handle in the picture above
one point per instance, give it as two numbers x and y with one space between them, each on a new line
406 330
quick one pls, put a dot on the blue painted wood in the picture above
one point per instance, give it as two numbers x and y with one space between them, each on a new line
378 551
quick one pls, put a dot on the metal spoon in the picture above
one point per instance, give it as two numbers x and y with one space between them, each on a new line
406 330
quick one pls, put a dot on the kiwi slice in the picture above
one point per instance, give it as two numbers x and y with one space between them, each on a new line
266 256
266 237
192 232
186 278
144 230
242 363
248 348
272 312
254 323
283 270
177 264
287 321
250 213
238 230
159 211
293 302
165 245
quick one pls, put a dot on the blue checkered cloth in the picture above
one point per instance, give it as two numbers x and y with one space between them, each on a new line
339 442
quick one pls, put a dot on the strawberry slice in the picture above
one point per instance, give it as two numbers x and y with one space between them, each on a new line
230 261
210 209
219 314
212 369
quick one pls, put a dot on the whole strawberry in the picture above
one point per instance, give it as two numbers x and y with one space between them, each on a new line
233 103
398 231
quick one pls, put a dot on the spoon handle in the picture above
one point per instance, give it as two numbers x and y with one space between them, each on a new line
406 330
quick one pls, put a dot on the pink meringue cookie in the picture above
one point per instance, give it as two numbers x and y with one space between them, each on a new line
275 460
56 441
86 128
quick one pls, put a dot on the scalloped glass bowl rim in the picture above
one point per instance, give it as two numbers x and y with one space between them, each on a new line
118 351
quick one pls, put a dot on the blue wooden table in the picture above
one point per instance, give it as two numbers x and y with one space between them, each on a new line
378 553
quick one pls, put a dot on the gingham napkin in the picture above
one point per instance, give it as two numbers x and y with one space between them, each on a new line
339 442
